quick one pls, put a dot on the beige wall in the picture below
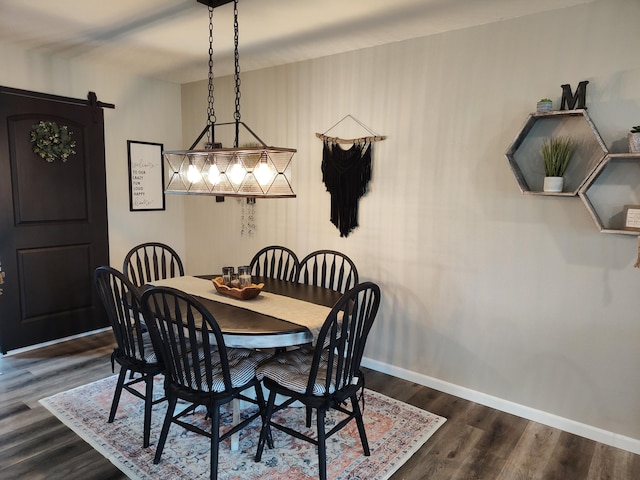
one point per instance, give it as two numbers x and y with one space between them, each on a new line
511 300
146 110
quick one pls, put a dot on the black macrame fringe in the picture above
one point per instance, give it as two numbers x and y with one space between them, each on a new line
346 174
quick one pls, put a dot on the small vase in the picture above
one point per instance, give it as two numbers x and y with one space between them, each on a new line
634 142
553 184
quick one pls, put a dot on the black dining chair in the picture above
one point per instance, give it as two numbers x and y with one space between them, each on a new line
276 262
201 370
328 269
326 376
134 351
151 261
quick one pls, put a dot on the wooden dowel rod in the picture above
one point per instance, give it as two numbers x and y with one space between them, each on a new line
376 138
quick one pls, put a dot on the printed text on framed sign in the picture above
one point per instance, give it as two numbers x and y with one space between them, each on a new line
146 176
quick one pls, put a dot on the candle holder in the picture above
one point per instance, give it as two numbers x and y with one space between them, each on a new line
244 275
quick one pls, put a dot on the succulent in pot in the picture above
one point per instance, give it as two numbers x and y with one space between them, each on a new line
544 105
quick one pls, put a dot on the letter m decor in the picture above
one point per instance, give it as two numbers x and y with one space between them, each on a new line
571 101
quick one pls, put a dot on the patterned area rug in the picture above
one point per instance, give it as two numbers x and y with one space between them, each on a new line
395 430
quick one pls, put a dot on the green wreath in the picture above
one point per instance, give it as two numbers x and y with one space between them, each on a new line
52 141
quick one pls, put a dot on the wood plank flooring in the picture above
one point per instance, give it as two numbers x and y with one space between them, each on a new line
476 442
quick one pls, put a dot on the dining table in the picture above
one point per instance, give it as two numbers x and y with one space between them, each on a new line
284 314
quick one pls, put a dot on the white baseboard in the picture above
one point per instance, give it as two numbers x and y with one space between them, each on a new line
593 433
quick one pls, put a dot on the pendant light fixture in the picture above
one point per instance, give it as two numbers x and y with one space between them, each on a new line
255 172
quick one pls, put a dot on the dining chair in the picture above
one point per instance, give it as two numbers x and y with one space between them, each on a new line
276 262
328 269
151 261
326 376
134 351
201 370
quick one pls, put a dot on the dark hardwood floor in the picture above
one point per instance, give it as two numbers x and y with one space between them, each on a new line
476 442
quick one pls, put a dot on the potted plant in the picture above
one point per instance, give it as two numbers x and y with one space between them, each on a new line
556 153
544 105
634 139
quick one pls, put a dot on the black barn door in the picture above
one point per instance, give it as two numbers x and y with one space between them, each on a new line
53 218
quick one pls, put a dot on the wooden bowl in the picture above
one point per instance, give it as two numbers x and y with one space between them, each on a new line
245 293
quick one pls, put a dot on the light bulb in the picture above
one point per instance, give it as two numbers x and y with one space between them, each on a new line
193 175
237 173
214 174
263 173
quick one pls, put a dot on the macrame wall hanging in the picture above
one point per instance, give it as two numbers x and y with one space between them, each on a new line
346 173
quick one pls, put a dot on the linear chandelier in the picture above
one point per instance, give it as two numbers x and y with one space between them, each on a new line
253 171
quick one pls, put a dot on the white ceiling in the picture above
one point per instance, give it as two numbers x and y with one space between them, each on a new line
168 39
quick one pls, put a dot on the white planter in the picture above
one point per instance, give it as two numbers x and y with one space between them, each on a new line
634 142
553 184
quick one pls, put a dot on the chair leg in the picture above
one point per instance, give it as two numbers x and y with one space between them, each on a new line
116 394
309 412
263 411
363 434
322 445
215 440
265 432
148 402
171 406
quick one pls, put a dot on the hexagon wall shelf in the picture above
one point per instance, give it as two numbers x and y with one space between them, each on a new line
526 161
614 184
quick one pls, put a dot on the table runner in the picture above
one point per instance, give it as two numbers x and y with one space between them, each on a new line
299 312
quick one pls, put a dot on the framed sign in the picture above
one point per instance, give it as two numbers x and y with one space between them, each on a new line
632 217
146 176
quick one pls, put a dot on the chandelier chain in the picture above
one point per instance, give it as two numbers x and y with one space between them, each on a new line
237 65
211 113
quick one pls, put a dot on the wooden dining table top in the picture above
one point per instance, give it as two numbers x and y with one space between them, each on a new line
250 329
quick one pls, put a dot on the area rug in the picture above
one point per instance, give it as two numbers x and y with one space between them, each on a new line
395 430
